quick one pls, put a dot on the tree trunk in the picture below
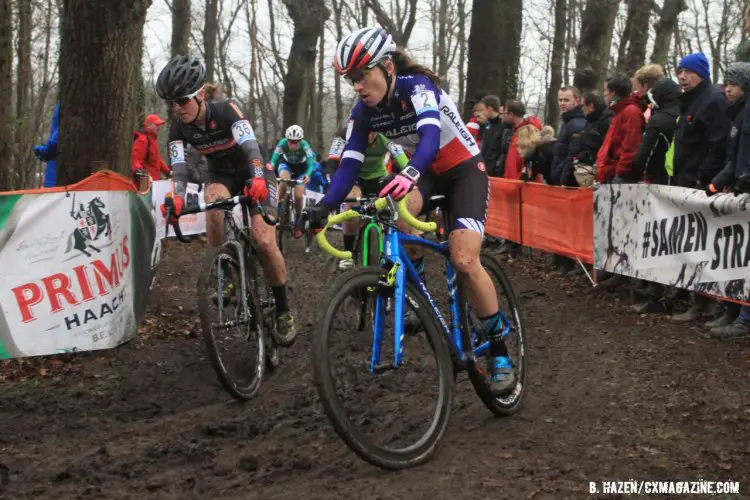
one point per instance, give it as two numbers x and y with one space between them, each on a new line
443 43
596 37
98 38
337 5
461 52
210 32
23 93
6 89
558 49
180 27
401 32
494 24
321 94
633 45
308 17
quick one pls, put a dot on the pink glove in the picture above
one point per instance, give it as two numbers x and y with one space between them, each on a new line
397 188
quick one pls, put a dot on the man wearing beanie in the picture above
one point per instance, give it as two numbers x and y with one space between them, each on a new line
703 128
700 143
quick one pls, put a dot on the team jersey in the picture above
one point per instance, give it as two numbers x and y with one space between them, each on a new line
228 143
377 156
304 154
421 118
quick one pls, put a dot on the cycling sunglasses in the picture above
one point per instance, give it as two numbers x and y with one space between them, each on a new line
356 76
181 101
293 141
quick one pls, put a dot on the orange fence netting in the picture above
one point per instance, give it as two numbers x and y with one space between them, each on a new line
550 218
105 180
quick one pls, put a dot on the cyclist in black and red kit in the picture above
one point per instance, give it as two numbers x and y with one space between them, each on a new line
221 132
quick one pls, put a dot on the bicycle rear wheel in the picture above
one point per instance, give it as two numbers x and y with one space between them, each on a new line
423 366
232 323
282 225
480 370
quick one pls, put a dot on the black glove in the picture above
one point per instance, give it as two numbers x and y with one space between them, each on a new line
314 217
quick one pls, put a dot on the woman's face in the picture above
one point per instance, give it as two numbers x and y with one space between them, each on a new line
370 84
188 110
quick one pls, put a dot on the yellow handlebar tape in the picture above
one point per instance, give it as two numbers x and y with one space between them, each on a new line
381 204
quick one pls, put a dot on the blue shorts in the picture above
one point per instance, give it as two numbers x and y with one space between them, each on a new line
296 170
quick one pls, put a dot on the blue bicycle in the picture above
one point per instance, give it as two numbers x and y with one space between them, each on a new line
392 293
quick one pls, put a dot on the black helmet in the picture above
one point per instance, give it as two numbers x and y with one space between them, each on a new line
182 76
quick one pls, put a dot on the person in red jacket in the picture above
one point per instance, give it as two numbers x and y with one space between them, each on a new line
146 154
614 161
514 115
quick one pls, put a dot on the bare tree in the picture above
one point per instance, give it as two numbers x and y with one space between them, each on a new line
318 109
180 27
337 7
632 50
494 23
558 49
97 38
597 25
210 33
6 87
401 27
24 84
461 51
308 17
664 28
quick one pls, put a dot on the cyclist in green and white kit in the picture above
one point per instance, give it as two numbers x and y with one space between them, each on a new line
293 158
380 156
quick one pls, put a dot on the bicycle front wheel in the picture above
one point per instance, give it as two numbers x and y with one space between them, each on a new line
401 413
232 323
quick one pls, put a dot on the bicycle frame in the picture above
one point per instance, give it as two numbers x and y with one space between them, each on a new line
401 273
366 241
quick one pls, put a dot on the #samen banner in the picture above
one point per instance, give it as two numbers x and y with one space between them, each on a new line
675 236
75 272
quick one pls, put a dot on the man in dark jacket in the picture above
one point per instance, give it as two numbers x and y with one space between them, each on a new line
730 324
649 160
598 118
570 136
492 137
700 142
703 129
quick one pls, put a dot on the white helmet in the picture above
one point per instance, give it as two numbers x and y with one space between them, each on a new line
294 133
363 49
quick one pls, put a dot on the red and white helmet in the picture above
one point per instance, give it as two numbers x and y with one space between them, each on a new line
363 49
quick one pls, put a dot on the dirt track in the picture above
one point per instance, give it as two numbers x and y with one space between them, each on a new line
612 396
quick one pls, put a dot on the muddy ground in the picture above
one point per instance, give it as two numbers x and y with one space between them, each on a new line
612 396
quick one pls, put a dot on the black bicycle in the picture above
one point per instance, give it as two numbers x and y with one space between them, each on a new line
236 306
288 215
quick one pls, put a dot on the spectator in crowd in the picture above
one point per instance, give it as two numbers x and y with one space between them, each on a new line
476 123
598 118
146 154
730 323
570 136
48 152
614 161
515 116
699 147
703 127
538 150
492 138
649 161
644 80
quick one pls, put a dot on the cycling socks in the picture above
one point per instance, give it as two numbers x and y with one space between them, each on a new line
494 325
279 293
349 242
419 267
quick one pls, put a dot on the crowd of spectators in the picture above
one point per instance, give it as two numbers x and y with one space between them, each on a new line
644 128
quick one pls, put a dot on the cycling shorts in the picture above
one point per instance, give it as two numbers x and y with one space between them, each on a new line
296 170
369 186
235 184
467 190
